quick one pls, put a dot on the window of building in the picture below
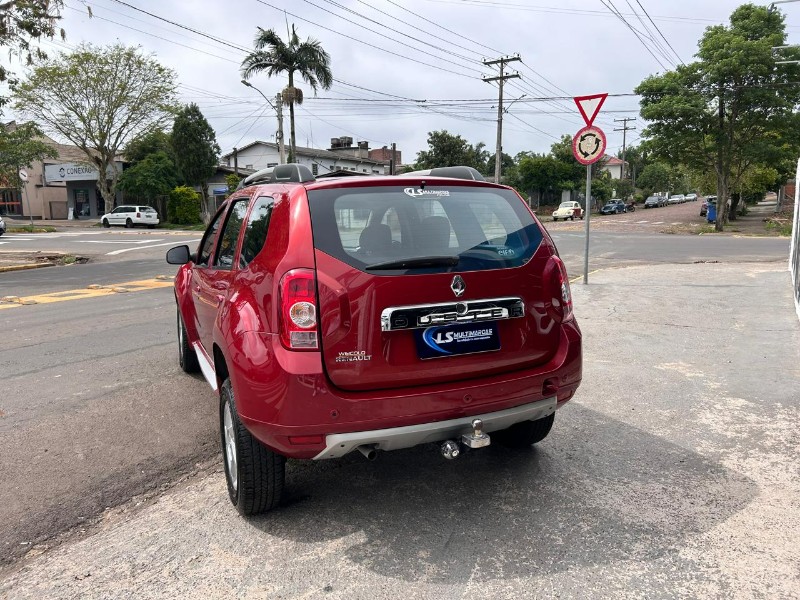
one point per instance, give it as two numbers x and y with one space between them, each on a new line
314 168
365 171
272 165
248 166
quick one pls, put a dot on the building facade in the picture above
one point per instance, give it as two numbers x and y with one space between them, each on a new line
261 155
615 167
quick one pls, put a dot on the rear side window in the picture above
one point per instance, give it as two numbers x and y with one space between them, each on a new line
480 228
256 233
226 249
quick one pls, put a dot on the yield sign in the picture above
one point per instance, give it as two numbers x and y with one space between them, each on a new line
590 106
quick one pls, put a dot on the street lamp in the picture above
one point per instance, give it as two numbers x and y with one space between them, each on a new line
278 108
771 7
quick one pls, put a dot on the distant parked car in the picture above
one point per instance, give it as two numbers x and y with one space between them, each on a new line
691 197
676 199
568 210
613 206
2 226
653 202
130 216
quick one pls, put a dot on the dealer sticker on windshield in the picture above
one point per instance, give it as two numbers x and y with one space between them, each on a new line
453 340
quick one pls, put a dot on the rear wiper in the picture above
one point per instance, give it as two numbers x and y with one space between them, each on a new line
419 262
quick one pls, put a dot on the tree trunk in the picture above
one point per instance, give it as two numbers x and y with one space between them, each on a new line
735 198
106 191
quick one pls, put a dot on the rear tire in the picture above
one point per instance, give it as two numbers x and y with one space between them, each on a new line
526 433
106 224
128 224
255 475
186 354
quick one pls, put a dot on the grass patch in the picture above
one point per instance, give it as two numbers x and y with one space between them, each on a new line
781 228
32 229
195 227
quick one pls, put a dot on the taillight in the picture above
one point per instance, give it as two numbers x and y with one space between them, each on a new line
298 310
555 274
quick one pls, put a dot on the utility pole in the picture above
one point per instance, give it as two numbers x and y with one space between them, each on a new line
279 135
624 129
498 156
393 161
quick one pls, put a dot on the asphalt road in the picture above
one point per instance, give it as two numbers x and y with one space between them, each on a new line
95 410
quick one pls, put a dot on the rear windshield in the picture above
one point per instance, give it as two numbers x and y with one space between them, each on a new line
477 228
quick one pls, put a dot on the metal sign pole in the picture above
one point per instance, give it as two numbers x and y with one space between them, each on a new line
588 212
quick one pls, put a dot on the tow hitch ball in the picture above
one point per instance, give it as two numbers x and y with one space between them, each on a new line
477 439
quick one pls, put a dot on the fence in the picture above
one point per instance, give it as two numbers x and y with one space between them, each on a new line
794 253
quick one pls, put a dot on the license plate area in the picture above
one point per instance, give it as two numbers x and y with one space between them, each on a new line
457 340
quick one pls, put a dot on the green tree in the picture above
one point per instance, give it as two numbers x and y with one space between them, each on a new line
232 181
183 207
21 146
23 23
307 59
150 142
149 179
655 177
730 109
506 162
447 150
196 151
98 99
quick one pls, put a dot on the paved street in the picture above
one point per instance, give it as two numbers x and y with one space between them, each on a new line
96 412
672 474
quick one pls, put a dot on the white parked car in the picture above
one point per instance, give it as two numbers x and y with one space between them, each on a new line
130 216
691 197
676 199
568 210
2 226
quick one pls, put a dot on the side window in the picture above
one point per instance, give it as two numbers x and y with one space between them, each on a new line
230 235
256 232
117 210
208 240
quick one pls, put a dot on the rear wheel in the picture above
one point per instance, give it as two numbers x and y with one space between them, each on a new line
526 433
186 355
128 223
106 224
572 218
255 475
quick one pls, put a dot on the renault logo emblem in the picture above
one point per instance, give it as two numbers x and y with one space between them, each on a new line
458 286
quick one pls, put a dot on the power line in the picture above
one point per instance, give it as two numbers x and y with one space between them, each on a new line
616 13
659 32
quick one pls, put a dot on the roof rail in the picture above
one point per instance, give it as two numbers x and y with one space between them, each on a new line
460 172
288 173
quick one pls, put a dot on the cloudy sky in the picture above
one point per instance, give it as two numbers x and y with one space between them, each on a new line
404 68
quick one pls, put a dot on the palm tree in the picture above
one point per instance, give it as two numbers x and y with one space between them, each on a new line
274 56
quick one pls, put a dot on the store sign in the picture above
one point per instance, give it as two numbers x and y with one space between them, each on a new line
72 172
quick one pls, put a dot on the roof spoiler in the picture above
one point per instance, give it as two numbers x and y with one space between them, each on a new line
461 172
288 173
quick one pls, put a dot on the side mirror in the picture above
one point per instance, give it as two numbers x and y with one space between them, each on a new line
179 255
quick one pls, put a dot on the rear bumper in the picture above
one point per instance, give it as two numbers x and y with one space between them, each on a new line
288 404
396 438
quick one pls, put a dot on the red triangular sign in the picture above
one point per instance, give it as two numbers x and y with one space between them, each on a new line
590 106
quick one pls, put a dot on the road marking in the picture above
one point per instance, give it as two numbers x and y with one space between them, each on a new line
174 243
642 221
83 293
117 241
658 223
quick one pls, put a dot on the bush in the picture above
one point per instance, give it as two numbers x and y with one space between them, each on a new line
183 206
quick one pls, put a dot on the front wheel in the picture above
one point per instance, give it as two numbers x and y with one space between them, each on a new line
526 433
255 475
106 224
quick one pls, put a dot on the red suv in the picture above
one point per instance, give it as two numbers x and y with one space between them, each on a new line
370 314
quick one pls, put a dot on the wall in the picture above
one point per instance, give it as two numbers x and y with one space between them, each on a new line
261 156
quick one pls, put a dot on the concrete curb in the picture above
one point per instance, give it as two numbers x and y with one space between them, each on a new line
28 267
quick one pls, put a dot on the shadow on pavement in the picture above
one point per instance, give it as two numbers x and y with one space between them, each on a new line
596 491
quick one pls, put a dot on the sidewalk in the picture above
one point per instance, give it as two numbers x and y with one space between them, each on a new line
673 473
